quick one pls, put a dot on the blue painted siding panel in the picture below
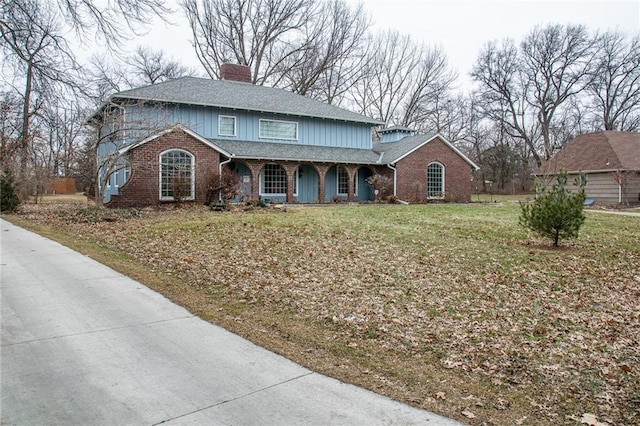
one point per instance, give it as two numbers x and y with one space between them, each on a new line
308 185
331 185
204 121
365 191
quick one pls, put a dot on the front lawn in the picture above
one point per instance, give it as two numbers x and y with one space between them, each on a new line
453 308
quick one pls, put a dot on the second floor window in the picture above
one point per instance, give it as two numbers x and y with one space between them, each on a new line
275 129
226 125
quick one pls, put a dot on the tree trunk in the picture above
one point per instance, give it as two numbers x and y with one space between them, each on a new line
25 136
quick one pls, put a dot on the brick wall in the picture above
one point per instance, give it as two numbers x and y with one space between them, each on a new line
143 186
412 173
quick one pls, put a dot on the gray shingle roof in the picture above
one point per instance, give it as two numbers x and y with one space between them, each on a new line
393 152
294 152
242 96
382 153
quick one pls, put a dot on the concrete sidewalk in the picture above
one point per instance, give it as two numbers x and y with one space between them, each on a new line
83 344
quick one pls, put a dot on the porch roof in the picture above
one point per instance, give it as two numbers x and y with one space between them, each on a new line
295 152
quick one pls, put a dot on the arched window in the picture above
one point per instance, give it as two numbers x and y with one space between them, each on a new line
176 175
273 180
435 180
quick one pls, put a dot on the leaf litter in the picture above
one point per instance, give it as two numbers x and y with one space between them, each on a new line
426 304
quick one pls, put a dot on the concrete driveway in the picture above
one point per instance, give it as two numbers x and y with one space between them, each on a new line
85 345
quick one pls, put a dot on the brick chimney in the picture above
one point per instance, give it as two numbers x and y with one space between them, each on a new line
235 72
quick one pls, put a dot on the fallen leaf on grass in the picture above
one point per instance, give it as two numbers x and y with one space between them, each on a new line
468 414
441 395
589 419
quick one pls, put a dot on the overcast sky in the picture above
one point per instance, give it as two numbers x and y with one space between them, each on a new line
460 27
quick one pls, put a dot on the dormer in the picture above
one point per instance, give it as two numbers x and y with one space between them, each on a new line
394 133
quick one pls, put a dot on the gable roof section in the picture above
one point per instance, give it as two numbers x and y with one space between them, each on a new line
241 96
592 152
177 127
392 152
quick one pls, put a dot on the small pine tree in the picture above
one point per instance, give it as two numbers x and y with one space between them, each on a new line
557 213
9 200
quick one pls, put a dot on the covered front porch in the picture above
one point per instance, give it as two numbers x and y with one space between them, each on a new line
302 182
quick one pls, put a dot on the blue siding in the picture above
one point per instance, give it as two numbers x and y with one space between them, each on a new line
331 185
365 191
308 185
204 121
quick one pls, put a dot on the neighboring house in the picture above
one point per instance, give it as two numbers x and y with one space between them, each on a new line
282 146
610 160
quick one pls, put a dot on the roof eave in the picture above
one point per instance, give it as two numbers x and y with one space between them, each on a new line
550 173
473 165
365 120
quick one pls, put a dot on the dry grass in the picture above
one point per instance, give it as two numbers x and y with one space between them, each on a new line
450 308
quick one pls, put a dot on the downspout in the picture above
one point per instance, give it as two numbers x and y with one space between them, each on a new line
395 185
220 176
620 193
395 179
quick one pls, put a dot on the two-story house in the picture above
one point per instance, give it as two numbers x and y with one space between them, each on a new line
282 147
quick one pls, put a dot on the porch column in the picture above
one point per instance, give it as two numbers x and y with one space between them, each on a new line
255 167
290 169
351 172
322 172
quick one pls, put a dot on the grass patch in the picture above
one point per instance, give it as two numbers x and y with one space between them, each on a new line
453 308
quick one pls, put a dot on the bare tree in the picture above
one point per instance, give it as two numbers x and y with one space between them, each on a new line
148 66
105 78
111 132
615 86
401 79
40 59
64 122
624 178
262 34
145 66
502 93
529 90
332 51
448 115
113 20
556 63
10 125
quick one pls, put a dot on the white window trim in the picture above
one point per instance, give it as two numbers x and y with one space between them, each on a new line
276 121
338 167
235 124
443 183
261 180
115 178
193 176
355 183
